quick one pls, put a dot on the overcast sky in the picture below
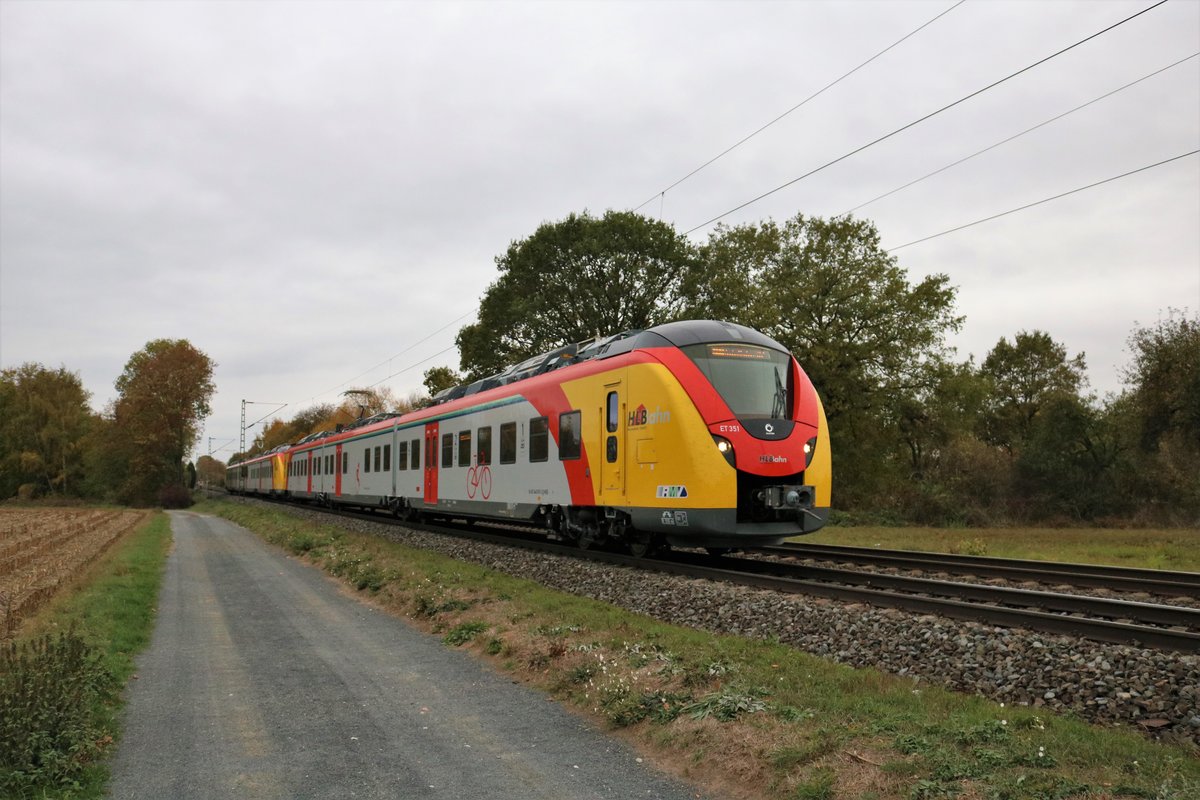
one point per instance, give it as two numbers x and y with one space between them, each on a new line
305 190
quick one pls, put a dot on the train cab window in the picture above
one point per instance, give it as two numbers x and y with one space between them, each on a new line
569 436
484 447
377 454
416 454
447 450
402 456
539 439
464 449
387 458
614 412
367 460
508 443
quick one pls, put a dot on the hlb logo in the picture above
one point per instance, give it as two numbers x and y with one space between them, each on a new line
640 416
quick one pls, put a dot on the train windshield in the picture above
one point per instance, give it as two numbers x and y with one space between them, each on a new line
755 382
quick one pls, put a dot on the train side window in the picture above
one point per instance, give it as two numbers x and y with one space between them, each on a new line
345 462
539 439
416 454
613 412
317 465
401 456
377 458
485 445
569 436
329 466
464 449
367 460
387 458
447 450
508 443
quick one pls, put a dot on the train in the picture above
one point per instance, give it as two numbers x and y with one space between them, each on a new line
697 433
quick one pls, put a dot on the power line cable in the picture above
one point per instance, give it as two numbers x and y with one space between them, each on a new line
412 366
803 102
397 355
924 118
1018 135
1047 200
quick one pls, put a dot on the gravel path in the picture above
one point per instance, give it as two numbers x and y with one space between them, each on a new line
264 681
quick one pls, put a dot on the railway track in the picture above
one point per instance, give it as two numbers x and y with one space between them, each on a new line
1146 625
1119 579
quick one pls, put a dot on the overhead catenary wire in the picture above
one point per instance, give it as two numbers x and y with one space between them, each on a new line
1046 200
397 355
1018 135
924 118
813 96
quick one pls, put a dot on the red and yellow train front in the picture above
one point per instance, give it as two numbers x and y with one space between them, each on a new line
722 443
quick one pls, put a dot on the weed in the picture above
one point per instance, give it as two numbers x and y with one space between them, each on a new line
727 705
461 634
582 673
48 732
818 787
495 647
793 714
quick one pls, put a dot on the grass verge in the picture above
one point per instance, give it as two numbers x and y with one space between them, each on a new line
741 717
60 680
1171 549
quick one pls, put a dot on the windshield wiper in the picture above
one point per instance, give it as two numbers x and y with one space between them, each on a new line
777 407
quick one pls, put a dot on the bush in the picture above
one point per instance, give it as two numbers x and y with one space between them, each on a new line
174 496
49 692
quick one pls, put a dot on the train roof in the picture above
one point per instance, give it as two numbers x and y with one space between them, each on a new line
670 334
676 334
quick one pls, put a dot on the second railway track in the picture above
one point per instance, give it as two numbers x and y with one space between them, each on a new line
1118 579
1148 625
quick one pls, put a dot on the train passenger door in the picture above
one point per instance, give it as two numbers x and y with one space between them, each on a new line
612 472
308 458
431 463
337 470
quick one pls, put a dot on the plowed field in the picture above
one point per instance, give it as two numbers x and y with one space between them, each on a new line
42 549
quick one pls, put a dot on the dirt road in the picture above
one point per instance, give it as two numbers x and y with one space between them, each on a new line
264 681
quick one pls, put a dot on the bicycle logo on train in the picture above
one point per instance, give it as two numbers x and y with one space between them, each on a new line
479 479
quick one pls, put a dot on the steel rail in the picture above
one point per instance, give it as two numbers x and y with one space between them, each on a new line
688 565
1127 579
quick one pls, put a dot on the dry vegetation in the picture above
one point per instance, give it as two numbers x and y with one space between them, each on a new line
43 549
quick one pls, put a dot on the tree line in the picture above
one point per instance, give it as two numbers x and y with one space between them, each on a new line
918 434
133 452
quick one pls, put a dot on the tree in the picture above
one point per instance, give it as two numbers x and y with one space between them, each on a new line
163 396
1161 419
1023 377
866 337
210 471
572 280
44 418
438 379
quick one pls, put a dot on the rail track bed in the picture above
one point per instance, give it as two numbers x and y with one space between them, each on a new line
1137 624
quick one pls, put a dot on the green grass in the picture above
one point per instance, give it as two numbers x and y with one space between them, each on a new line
111 612
1174 549
778 722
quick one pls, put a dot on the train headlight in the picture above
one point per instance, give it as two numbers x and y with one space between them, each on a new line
725 447
810 447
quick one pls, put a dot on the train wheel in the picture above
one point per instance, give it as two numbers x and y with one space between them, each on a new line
718 551
642 544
